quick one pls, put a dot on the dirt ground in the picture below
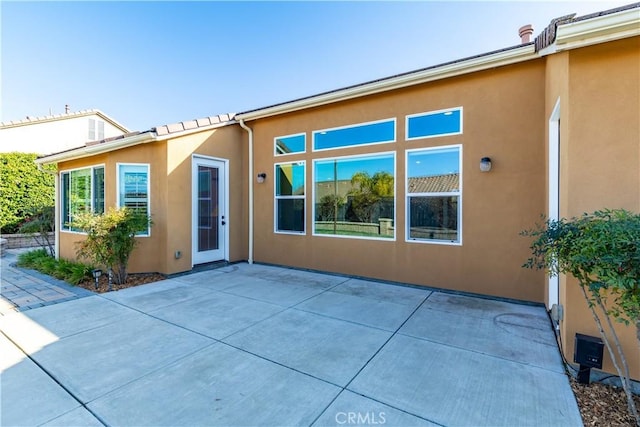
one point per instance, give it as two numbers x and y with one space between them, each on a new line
134 279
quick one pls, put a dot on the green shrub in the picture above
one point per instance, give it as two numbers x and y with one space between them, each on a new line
24 189
602 251
110 238
69 271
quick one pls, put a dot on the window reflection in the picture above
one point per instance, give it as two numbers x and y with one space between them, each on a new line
433 194
355 196
290 144
366 133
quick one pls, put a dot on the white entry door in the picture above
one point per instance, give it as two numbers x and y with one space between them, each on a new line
209 209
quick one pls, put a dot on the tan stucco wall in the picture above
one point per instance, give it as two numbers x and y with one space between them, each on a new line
170 178
225 143
503 119
600 159
152 154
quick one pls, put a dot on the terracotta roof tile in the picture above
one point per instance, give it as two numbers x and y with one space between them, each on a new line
434 184
203 122
162 130
191 124
175 127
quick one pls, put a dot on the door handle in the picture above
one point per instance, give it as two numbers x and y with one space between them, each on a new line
224 222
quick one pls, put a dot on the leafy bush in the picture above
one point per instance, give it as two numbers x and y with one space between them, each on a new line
602 251
110 238
70 272
24 189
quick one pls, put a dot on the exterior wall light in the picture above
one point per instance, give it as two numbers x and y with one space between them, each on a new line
261 177
485 164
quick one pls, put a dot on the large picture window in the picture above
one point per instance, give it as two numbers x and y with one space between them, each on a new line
434 195
133 188
361 134
290 194
355 196
82 191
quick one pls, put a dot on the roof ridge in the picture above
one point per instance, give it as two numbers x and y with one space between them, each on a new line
34 119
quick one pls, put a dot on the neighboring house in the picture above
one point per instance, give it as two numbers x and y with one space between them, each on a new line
59 132
559 119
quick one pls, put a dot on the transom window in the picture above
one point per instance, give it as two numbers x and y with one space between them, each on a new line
290 144
361 134
82 192
290 197
133 188
355 196
434 123
434 195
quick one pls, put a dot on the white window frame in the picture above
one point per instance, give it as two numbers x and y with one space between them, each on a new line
431 113
275 144
443 194
390 119
356 156
292 197
95 129
118 201
64 229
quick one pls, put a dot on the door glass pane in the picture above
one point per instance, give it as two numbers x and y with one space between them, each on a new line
208 223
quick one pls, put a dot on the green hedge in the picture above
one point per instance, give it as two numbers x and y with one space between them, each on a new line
24 189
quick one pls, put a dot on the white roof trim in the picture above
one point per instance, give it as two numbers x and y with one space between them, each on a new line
497 59
105 147
94 149
62 116
598 29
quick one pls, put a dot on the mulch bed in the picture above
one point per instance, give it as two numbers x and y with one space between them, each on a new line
133 279
603 405
599 404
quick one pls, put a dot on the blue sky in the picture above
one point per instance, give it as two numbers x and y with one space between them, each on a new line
151 63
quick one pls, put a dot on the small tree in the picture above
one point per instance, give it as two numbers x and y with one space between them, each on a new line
602 251
110 238
40 224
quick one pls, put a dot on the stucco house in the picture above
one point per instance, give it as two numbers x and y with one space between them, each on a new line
424 178
57 132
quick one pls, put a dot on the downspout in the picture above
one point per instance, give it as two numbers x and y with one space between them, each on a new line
250 131
56 210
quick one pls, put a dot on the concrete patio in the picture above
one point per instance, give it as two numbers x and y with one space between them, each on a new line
260 345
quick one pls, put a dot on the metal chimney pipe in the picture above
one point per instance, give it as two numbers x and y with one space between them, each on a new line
67 109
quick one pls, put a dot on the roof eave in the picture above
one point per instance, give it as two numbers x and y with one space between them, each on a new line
105 147
497 59
95 149
113 122
599 29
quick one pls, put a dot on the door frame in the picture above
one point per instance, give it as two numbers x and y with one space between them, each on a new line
197 159
554 190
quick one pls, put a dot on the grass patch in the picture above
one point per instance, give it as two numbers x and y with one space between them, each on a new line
70 272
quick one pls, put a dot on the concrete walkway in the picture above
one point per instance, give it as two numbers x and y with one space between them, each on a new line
258 345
